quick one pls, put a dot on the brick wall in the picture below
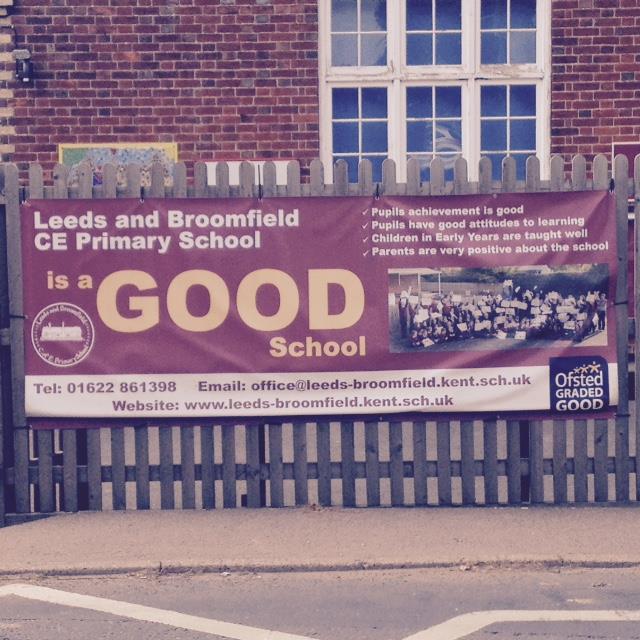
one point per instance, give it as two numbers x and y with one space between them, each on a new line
222 78
7 70
238 78
595 94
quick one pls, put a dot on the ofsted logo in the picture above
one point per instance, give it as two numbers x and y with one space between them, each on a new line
579 383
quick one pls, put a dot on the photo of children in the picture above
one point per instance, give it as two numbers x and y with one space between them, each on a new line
512 307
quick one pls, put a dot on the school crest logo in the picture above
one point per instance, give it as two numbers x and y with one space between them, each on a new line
62 334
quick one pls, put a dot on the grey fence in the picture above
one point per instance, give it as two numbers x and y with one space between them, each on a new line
382 461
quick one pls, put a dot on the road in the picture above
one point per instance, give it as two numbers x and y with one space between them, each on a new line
364 605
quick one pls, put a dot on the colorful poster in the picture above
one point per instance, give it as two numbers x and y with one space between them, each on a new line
319 306
120 154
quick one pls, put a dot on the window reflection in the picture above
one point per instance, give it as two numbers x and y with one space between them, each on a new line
358 33
508 31
360 127
434 32
508 125
436 130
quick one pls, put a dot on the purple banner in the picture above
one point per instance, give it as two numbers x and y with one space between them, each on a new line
319 306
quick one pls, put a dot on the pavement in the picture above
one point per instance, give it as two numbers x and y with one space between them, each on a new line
314 539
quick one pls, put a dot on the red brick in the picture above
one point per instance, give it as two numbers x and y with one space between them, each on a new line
242 78
603 36
182 72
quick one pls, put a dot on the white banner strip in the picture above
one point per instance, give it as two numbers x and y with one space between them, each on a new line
288 394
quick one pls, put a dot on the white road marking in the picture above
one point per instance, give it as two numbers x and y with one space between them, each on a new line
146 614
453 629
464 625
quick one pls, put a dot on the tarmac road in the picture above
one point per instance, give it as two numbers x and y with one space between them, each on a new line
340 574
358 605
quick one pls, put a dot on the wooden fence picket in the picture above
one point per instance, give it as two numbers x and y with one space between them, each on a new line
323 447
94 469
559 462
46 487
143 488
207 467
372 463
188 467
580 459
118 477
490 462
601 459
536 461
396 464
229 489
348 467
443 436
276 468
514 468
70 470
300 463
21 464
167 493
420 474
252 473
467 462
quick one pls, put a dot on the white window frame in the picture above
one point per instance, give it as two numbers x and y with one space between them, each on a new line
470 75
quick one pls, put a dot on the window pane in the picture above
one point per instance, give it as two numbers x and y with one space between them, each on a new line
448 136
376 162
493 134
345 103
419 102
344 51
374 136
448 15
374 103
496 163
449 162
448 102
494 14
494 48
523 100
345 137
493 101
419 49
521 165
374 50
352 163
523 14
523 134
448 48
425 163
419 137
374 15
344 16
419 15
523 47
